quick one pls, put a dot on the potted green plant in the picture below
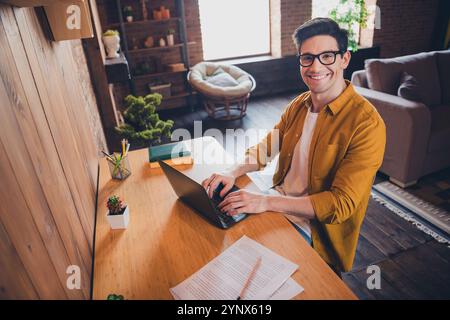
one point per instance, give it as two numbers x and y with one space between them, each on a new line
118 214
170 33
114 296
142 124
128 13
111 40
350 14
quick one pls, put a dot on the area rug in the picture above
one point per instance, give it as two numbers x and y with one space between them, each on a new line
426 216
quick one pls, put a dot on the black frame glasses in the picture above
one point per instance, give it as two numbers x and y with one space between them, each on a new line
319 56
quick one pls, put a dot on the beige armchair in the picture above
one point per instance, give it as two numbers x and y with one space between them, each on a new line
418 133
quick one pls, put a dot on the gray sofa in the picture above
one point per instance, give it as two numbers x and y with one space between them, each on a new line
418 133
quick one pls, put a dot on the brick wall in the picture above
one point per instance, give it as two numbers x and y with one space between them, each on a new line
193 31
406 26
293 14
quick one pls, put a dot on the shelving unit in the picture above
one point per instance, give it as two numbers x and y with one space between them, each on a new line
155 58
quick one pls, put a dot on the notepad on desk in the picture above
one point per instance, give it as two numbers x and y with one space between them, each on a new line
223 277
175 153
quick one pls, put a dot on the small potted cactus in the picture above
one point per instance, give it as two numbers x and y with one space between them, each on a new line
128 13
118 213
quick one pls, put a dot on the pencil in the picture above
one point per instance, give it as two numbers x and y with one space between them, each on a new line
249 279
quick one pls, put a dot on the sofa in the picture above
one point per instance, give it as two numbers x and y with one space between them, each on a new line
417 123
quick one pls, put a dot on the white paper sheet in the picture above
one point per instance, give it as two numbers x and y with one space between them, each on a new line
224 277
287 291
263 179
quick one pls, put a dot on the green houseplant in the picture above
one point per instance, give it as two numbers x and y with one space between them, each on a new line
142 124
348 14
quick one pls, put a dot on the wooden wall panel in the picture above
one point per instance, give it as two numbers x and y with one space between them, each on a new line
48 163
19 287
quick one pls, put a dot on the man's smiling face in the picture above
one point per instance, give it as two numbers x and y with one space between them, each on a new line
318 77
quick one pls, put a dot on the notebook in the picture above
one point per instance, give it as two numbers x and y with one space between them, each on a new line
168 151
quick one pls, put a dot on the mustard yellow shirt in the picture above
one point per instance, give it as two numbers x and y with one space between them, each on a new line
347 149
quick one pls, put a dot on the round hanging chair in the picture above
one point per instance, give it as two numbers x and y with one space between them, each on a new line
224 89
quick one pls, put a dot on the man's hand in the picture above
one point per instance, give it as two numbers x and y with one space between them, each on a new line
215 179
244 201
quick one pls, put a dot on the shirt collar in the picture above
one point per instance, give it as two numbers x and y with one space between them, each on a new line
336 105
348 94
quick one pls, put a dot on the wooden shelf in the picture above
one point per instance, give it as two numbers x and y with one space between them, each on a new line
155 49
138 84
159 74
178 96
141 22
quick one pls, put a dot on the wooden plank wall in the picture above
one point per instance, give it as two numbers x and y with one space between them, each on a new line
48 164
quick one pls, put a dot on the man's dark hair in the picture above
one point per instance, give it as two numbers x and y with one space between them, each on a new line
321 26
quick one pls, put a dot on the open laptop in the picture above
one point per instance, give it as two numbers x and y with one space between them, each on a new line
196 197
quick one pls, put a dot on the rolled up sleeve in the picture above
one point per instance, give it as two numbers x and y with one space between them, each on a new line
354 175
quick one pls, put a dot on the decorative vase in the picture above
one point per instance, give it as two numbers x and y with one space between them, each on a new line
162 42
129 18
112 45
170 41
119 221
157 15
149 42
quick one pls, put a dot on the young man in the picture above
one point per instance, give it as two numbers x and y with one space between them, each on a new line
331 143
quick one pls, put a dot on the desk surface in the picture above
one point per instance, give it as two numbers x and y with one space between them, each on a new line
166 242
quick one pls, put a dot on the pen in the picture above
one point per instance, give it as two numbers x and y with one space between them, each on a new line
249 279
107 155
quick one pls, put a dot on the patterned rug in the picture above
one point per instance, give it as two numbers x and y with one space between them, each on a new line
426 204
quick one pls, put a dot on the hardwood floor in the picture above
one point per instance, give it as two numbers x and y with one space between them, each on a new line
413 265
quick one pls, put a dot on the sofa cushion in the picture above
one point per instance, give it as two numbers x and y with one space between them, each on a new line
222 80
409 88
384 74
443 62
440 129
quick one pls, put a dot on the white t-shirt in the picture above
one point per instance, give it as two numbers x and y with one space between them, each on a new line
295 182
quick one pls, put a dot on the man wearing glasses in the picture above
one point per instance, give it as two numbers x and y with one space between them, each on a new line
330 142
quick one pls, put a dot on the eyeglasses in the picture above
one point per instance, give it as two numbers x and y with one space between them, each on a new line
326 58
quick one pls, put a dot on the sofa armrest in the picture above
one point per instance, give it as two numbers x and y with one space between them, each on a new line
359 78
408 127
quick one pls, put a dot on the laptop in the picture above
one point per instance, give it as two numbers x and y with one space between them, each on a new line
196 197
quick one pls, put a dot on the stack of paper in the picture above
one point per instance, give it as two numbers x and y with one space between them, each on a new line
224 276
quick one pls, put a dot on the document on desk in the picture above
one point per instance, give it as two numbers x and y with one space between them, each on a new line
224 277
263 179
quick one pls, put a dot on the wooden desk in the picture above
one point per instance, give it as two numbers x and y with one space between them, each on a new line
166 242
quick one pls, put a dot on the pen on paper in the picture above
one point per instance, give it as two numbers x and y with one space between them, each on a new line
249 279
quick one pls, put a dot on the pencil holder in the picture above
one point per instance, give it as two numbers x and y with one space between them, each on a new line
120 167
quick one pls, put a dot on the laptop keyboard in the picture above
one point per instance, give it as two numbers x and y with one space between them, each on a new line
216 199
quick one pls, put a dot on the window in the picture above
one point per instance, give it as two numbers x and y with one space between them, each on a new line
234 28
322 8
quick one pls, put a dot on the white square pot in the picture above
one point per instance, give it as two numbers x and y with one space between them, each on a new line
119 221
